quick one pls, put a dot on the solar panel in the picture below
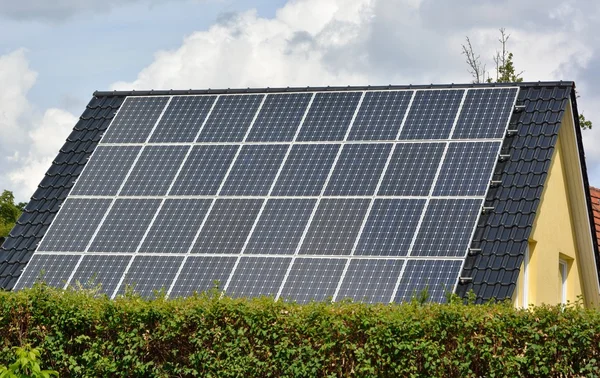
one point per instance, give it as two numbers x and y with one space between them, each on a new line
380 115
175 226
312 279
150 274
98 270
279 117
202 273
53 270
182 119
154 171
329 116
230 118
125 225
135 120
370 281
364 194
74 225
358 169
106 171
258 276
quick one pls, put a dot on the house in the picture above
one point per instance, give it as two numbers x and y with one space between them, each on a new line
369 193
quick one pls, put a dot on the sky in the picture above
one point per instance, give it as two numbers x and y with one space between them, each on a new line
55 54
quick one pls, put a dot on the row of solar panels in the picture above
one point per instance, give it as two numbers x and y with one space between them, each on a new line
271 227
276 117
300 279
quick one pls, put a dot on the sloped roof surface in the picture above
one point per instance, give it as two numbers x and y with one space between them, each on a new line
500 238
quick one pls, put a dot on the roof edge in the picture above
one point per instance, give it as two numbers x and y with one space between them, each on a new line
326 89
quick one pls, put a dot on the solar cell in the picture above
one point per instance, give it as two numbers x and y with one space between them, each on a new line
305 170
485 113
258 276
380 115
280 226
124 225
447 227
154 171
329 116
106 170
390 227
135 120
254 170
279 117
437 277
335 226
370 281
412 169
467 169
175 226
202 273
148 274
230 118
53 270
102 270
182 119
358 169
74 225
312 279
227 226
432 114
203 170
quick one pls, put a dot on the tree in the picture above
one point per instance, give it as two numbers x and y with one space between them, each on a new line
9 213
505 68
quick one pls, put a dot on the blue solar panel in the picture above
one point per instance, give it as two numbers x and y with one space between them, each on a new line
227 226
380 115
230 118
390 227
150 275
412 169
432 114
201 274
53 270
254 170
335 226
437 278
258 276
204 170
182 119
280 226
135 120
154 171
467 169
329 116
370 281
312 279
102 271
485 113
447 227
358 169
104 174
305 170
279 117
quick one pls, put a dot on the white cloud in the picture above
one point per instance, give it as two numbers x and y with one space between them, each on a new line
28 141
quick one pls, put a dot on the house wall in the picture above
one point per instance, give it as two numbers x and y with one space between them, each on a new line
561 231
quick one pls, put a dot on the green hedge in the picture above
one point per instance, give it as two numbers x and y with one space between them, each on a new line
84 335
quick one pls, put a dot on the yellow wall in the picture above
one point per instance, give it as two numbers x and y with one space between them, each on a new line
560 232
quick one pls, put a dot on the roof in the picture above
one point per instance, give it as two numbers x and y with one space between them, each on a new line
595 197
501 236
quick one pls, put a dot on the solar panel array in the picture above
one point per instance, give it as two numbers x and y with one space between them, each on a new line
370 195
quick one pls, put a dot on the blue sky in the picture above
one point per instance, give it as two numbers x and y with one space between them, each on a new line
53 55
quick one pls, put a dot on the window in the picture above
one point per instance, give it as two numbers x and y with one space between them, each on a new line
525 282
563 271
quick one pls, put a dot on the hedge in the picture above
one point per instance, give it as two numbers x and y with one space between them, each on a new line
82 334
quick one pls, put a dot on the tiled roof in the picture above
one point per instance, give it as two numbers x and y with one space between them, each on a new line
595 193
499 242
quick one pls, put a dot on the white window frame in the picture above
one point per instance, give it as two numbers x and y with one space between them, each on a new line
564 270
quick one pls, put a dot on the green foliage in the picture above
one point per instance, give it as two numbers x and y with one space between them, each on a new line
27 365
584 123
9 213
83 334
